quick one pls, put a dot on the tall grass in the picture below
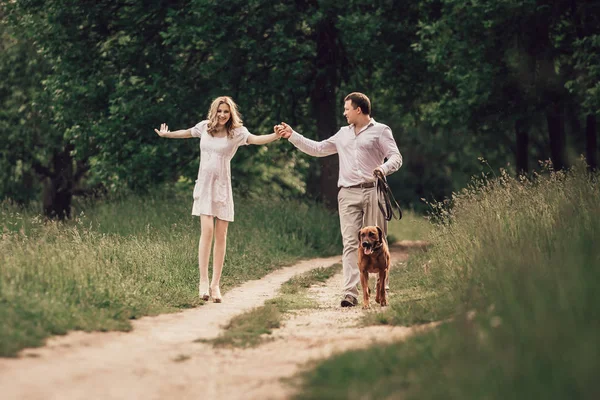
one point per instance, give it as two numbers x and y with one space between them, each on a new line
516 263
135 256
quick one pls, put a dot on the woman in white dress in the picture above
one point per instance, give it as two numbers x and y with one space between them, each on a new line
220 136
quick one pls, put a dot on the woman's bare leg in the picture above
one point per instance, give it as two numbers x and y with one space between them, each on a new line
206 237
218 257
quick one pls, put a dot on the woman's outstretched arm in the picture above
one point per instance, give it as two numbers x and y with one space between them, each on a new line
181 134
262 139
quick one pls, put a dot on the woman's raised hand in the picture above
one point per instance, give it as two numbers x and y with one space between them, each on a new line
164 129
283 130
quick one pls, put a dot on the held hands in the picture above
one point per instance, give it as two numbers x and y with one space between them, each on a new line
164 129
378 173
283 130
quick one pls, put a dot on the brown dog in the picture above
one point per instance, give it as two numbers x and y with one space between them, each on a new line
373 257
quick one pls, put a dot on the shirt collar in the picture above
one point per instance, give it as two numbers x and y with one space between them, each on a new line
371 123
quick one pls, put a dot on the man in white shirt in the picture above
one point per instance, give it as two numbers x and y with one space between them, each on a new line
362 148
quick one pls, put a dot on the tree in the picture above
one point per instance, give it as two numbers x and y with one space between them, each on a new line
114 73
506 62
32 150
301 59
21 71
585 82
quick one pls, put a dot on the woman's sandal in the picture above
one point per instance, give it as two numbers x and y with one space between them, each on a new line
216 299
204 294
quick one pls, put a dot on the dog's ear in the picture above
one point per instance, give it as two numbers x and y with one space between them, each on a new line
380 233
359 237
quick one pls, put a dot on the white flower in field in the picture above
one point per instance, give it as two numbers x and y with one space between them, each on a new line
495 322
471 315
482 336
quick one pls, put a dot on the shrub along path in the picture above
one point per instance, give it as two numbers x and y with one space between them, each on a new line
161 359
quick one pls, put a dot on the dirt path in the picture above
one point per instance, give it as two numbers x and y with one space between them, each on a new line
159 359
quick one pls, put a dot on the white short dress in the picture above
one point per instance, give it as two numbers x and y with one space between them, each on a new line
212 192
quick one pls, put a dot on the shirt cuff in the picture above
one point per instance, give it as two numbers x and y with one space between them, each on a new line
295 137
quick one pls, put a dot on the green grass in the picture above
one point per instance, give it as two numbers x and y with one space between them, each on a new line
412 226
522 258
250 329
416 296
412 291
126 258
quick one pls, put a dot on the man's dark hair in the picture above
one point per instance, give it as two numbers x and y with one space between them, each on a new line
360 100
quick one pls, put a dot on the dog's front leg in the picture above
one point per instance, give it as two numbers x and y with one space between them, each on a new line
381 287
364 282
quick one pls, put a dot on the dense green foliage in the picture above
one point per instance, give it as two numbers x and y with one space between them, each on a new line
84 83
138 256
516 266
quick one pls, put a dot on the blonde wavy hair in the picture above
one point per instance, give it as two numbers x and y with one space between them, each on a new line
235 120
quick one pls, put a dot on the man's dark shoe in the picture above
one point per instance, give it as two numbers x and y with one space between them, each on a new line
349 301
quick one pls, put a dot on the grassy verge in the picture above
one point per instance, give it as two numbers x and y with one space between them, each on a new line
412 226
417 296
132 257
517 266
408 283
249 329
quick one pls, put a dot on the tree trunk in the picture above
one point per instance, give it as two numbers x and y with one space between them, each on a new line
58 187
323 100
556 134
591 141
522 147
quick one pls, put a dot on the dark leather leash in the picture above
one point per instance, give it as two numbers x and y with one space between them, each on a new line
390 208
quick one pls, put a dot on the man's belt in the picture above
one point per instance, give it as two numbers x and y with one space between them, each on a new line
366 185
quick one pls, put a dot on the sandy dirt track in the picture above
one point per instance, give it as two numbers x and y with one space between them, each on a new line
159 359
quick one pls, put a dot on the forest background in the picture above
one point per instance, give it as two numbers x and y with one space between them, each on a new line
84 83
